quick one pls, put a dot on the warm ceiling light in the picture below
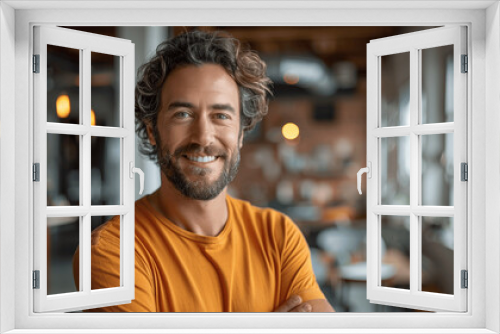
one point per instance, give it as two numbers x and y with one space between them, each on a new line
291 79
290 131
92 117
63 107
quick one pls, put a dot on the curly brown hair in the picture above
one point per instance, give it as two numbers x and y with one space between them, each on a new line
198 48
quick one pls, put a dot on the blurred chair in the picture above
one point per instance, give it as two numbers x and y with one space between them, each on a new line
341 242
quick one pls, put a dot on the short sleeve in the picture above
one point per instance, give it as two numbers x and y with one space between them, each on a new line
297 276
105 263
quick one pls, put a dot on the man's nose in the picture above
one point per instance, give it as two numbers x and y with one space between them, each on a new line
203 131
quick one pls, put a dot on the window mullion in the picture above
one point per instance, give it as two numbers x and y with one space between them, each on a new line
414 170
85 167
435 128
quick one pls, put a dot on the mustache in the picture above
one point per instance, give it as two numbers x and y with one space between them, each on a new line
193 149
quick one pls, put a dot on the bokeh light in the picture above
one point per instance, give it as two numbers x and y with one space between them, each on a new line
63 106
290 131
291 79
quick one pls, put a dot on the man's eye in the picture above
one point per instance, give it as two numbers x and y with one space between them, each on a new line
222 116
181 114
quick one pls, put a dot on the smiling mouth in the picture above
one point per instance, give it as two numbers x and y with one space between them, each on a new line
204 159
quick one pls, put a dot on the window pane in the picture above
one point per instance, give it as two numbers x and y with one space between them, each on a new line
437 84
63 170
395 90
437 169
437 254
395 252
63 85
63 235
106 274
395 171
105 90
105 172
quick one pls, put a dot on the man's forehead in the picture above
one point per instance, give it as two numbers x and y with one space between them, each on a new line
189 84
190 70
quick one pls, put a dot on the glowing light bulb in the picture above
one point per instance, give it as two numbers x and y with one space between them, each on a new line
290 131
291 79
92 117
63 106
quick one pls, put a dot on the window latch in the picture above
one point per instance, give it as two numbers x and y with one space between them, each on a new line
367 170
139 171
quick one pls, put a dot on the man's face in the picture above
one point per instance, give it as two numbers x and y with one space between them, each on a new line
199 137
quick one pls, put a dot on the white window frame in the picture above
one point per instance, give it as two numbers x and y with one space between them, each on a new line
86 43
413 44
16 126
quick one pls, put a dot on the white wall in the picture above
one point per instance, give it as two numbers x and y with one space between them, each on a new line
7 159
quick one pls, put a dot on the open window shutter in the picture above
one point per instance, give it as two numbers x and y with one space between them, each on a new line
84 132
415 156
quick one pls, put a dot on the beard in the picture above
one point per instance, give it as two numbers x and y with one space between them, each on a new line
199 190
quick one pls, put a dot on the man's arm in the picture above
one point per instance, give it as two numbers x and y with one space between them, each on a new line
297 275
294 304
320 305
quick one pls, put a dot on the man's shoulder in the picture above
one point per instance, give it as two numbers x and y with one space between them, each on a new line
241 206
264 223
262 216
142 202
108 232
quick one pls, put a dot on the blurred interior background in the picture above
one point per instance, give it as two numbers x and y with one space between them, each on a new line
302 159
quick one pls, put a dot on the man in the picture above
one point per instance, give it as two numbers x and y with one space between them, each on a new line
198 249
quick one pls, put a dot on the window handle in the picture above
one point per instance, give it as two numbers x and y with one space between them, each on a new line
367 170
139 171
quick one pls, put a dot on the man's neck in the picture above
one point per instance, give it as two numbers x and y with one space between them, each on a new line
206 218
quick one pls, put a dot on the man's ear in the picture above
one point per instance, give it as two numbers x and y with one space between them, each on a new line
240 140
152 139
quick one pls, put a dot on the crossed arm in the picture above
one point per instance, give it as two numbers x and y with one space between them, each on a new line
295 304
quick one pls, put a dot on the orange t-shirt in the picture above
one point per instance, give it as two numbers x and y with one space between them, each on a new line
258 260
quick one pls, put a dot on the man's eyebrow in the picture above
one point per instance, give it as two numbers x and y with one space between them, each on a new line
220 106
179 104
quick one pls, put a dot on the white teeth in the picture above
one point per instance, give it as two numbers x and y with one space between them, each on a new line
202 159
